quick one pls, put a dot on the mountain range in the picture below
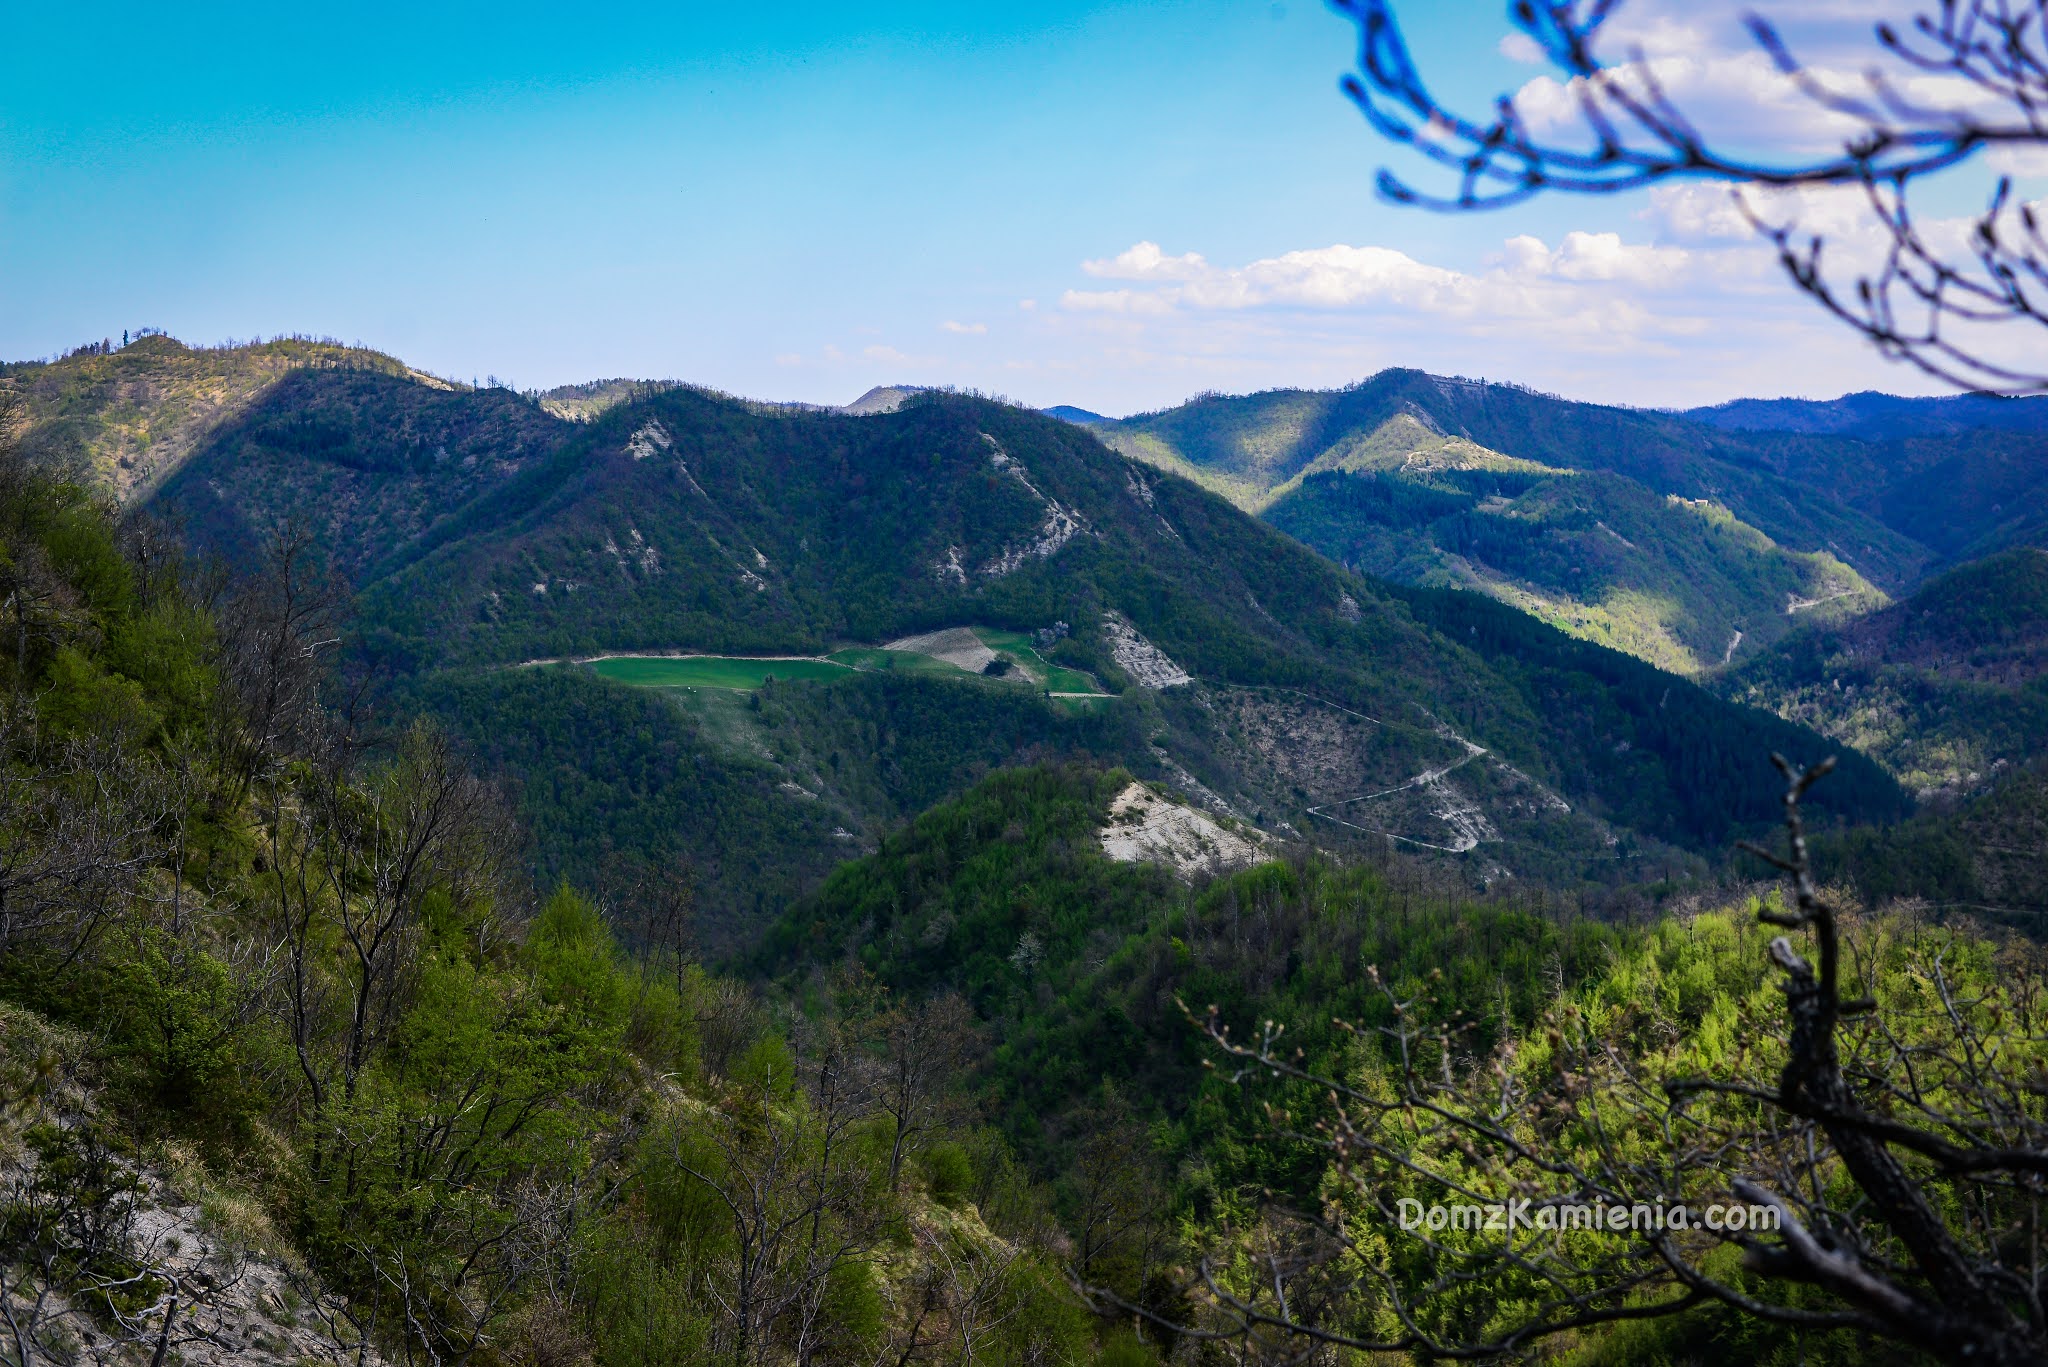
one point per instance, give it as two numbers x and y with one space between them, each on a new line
1880 417
1353 699
1691 540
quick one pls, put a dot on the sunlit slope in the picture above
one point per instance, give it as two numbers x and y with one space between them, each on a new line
132 416
1259 441
1680 582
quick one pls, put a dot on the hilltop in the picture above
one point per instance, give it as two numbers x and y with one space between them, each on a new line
1693 540
1682 583
1601 522
132 415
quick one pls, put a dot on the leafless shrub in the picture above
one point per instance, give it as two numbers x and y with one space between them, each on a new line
78 829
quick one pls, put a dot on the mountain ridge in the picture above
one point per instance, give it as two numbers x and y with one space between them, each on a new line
1868 413
682 519
482 529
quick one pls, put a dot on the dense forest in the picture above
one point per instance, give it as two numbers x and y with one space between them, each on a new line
813 862
297 1057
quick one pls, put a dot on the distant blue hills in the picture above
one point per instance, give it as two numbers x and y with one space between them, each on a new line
1878 417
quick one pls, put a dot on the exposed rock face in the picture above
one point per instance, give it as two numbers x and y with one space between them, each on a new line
648 440
242 1306
221 1285
1062 524
1144 826
1138 657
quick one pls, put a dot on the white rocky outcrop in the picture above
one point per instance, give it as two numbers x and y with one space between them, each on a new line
1138 657
1062 524
649 439
1145 827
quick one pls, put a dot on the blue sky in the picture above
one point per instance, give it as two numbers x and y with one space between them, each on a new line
801 201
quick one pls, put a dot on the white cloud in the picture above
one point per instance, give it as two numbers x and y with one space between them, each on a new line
1697 313
1581 285
1520 47
1716 214
1114 301
1597 256
1145 261
885 353
964 329
1736 98
1324 277
1710 67
1664 298
1693 211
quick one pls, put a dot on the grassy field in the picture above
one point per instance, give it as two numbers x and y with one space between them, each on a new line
896 661
710 671
739 672
1060 679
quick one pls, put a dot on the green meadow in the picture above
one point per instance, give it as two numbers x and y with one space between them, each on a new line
709 671
749 673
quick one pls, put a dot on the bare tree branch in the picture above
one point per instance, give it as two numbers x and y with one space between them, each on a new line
1968 308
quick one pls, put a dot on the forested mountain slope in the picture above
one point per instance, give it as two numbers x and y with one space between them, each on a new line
304 986
298 1064
1984 856
1679 582
1089 984
1257 441
1880 417
1317 703
1438 480
1946 688
480 531
367 459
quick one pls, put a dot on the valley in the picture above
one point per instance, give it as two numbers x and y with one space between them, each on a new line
633 525
873 689
1162 623
1947 688
933 728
